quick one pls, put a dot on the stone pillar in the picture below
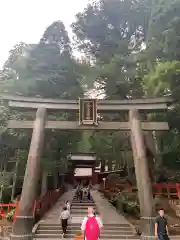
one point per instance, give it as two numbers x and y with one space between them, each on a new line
142 176
23 225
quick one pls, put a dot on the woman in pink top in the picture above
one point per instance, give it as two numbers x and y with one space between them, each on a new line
91 225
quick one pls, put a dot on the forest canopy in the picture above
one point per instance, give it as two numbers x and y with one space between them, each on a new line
130 49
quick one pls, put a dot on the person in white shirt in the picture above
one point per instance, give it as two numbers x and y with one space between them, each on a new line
68 205
64 216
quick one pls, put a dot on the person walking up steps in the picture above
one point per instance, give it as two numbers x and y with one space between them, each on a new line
81 193
89 193
91 226
65 215
68 205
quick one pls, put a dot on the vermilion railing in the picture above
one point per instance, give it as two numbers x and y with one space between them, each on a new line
5 209
40 207
43 204
169 190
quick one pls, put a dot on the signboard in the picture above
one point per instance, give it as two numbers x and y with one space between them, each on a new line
87 111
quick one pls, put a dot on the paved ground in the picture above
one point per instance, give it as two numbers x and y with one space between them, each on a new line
107 211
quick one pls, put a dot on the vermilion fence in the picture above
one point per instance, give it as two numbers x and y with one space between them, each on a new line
41 206
169 190
5 209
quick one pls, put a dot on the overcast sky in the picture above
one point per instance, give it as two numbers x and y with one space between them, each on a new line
26 20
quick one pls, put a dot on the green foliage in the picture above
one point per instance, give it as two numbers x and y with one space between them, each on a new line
132 50
112 34
163 79
11 214
46 69
127 204
107 144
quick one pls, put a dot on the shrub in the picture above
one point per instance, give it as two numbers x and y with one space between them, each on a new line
11 214
128 204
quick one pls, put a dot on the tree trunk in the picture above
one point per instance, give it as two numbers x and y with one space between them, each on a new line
159 150
1 193
62 180
14 179
103 165
44 183
109 163
55 180
23 225
155 159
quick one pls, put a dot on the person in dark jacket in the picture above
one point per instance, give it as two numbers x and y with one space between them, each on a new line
89 193
161 228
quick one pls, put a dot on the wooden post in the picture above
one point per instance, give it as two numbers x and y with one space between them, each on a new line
142 175
94 176
23 225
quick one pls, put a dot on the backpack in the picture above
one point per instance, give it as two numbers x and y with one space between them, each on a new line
92 229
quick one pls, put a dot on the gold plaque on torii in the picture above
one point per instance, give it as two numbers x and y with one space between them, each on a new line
87 111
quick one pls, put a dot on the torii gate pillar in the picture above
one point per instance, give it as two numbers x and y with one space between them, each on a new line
142 175
22 229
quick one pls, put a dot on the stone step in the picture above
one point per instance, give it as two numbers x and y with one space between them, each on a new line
133 238
104 236
126 238
72 231
117 225
83 205
83 202
84 199
83 211
74 211
78 229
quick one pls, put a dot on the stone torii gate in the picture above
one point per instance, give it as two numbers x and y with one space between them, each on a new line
88 109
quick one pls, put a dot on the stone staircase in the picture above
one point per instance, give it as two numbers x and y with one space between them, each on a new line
115 226
52 230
